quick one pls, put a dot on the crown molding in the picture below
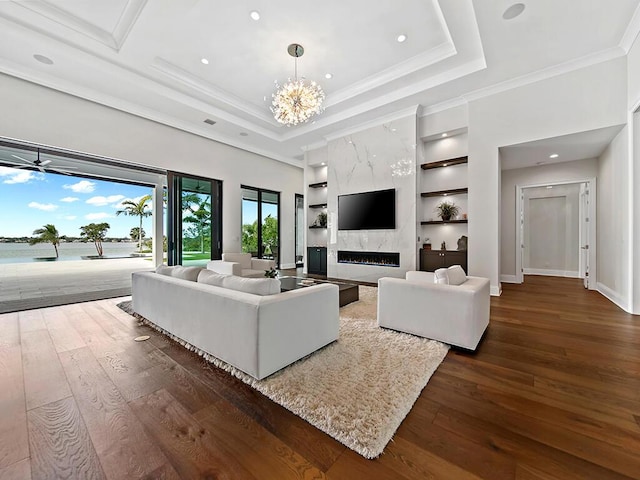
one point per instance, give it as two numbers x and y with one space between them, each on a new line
442 106
546 73
405 112
178 74
314 146
113 40
632 31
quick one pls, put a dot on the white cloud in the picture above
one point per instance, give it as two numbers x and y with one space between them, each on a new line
83 186
134 200
101 201
47 207
69 199
18 176
97 216
69 217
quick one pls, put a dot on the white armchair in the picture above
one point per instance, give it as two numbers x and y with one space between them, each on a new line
453 314
241 265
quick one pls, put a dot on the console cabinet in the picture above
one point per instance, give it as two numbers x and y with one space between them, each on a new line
317 260
431 260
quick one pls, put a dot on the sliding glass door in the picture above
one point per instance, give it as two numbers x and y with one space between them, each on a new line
260 224
194 219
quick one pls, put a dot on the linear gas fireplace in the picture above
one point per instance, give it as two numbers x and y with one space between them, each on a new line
385 259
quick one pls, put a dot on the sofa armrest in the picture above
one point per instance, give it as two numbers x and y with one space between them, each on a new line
262 264
419 276
225 268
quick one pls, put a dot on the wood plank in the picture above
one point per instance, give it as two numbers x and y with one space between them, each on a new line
445 163
63 335
263 454
44 378
60 444
18 471
121 443
192 449
14 445
31 320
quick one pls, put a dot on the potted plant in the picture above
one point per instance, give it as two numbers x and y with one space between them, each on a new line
447 210
322 219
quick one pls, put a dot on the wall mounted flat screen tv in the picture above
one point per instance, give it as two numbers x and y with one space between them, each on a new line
367 211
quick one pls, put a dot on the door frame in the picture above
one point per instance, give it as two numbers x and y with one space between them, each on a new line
591 241
260 191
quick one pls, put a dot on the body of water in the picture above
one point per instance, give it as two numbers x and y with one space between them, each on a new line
42 252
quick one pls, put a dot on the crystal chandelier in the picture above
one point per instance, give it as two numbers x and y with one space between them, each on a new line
296 101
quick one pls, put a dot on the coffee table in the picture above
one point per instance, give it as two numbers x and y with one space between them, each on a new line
347 292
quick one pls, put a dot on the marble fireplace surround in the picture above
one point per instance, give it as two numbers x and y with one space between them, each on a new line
377 158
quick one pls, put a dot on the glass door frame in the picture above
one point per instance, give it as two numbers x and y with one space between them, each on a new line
259 192
298 221
174 216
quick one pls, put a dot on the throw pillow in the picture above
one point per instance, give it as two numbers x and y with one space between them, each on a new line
211 278
440 276
178 271
456 275
257 286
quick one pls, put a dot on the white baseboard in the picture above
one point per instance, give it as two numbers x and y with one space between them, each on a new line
496 290
288 265
509 279
614 296
551 273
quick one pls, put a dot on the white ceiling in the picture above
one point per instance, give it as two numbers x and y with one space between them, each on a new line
143 56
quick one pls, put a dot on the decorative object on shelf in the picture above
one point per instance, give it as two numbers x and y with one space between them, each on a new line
443 245
464 216
271 273
296 101
427 244
462 242
322 219
447 210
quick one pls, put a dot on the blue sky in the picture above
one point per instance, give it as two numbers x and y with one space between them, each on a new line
29 200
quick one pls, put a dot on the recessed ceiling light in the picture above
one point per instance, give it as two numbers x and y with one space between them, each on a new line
244 134
554 155
393 129
401 38
208 121
445 135
549 186
445 164
43 59
328 75
513 11
204 60
323 164
255 15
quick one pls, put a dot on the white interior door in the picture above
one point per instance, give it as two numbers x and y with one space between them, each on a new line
584 233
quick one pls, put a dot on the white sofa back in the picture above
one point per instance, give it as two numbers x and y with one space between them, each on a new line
257 334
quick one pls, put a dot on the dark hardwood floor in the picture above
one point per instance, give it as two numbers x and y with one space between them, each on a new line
553 392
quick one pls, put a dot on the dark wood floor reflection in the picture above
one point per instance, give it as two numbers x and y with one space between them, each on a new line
552 392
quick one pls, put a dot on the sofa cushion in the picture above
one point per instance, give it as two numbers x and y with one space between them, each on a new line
440 276
257 286
456 275
211 278
178 271
244 259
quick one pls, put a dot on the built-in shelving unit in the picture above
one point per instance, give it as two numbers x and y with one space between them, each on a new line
440 180
445 193
318 185
442 222
445 163
316 261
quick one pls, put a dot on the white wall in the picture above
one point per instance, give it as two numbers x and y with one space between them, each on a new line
613 221
633 63
543 174
585 99
41 115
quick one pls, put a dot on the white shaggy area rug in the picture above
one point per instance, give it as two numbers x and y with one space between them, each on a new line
358 389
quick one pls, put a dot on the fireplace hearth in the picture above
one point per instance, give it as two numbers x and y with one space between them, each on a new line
382 259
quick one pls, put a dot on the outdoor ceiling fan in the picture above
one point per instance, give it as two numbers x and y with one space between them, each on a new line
40 164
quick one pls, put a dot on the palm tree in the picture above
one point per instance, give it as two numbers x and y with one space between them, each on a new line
139 209
95 232
200 215
47 234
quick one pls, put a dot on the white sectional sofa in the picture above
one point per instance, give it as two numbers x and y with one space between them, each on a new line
258 334
241 265
453 314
